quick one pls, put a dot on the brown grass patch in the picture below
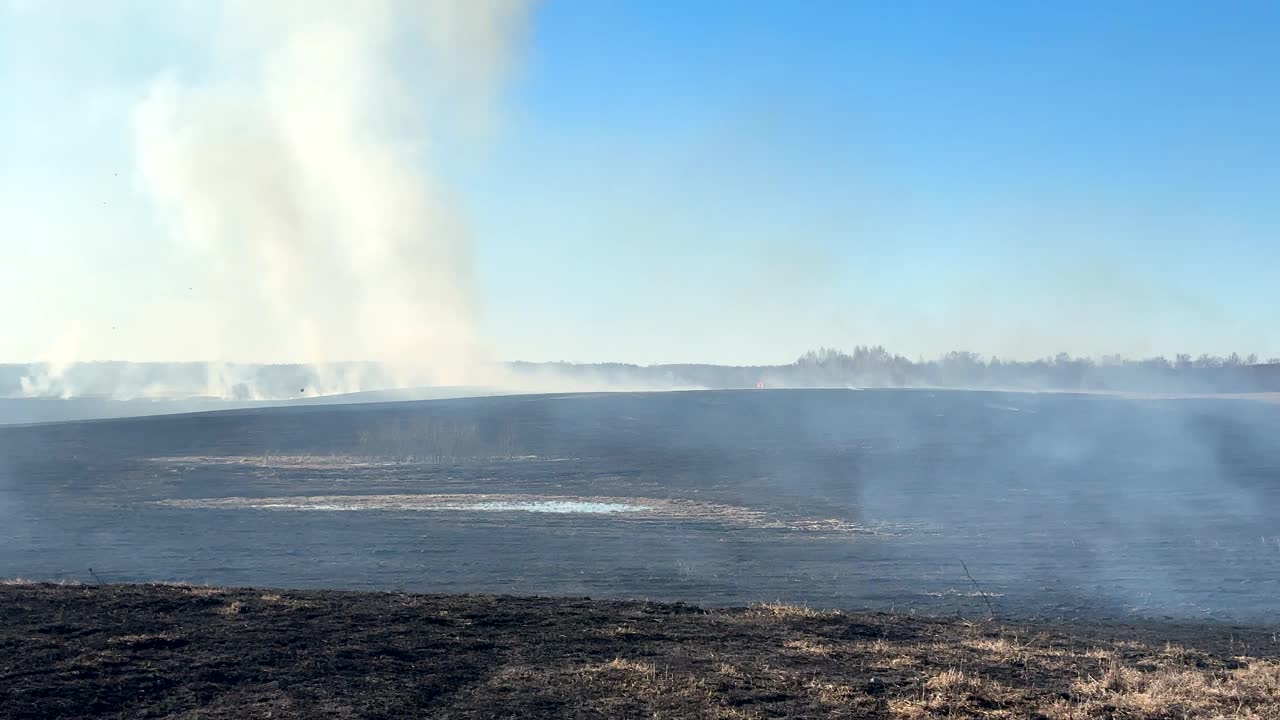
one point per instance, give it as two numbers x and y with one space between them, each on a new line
831 693
1000 649
628 665
284 601
233 608
783 610
809 647
729 670
1179 691
956 693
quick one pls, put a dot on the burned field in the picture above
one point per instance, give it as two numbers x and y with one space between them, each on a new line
1060 506
997 555
175 651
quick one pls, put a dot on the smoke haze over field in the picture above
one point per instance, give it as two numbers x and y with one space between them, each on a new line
298 175
290 161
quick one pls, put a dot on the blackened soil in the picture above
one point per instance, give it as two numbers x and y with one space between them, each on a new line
148 651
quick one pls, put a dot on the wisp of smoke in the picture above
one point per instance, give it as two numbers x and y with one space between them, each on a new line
298 172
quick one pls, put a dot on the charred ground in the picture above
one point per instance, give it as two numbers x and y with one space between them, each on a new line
201 652
1062 506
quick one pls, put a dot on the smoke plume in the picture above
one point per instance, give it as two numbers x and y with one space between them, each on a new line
297 168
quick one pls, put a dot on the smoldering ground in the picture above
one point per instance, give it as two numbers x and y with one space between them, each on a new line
1059 505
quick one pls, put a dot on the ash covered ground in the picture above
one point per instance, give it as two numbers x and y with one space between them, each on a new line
1061 506
136 651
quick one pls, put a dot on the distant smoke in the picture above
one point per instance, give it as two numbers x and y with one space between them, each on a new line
48 379
297 170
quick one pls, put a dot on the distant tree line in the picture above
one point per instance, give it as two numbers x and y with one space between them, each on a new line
1206 373
874 366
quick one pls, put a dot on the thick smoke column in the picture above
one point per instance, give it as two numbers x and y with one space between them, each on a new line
297 171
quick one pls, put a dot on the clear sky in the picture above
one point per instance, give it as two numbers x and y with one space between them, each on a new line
739 181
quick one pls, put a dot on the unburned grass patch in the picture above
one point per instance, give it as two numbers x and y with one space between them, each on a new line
784 610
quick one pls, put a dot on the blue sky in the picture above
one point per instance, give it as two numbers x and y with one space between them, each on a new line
738 182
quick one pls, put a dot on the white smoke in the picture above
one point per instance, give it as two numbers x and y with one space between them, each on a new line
51 378
298 171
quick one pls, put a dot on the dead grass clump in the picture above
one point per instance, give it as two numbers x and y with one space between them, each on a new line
630 674
830 693
882 647
625 687
1066 710
1174 652
893 656
287 602
809 647
955 692
638 680
729 670
999 649
234 608
899 662
783 610
629 666
1180 691
954 681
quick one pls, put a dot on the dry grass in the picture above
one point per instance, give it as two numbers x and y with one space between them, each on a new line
233 608
627 665
783 610
276 599
957 693
1000 649
894 656
1179 691
730 671
831 693
633 675
973 674
901 661
809 647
